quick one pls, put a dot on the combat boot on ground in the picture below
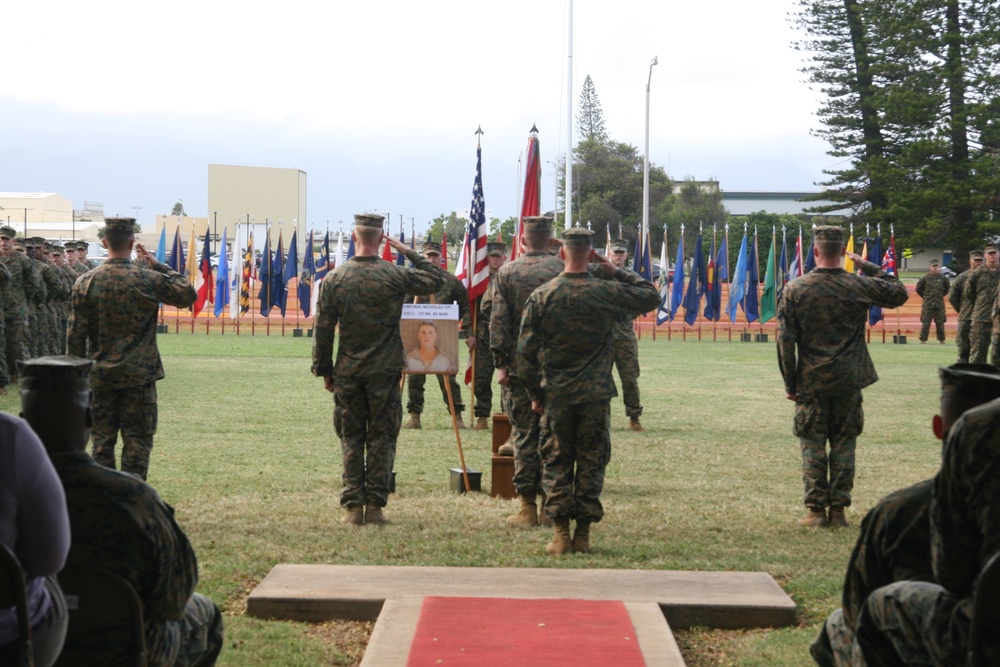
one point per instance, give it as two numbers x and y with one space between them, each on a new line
581 537
482 424
354 516
460 423
815 519
561 543
374 516
527 513
543 518
635 425
837 517
507 448
414 421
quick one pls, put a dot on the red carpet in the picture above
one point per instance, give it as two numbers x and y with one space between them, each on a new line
500 632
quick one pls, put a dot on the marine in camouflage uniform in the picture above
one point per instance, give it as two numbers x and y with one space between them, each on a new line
365 296
564 359
981 292
114 310
451 291
496 253
964 308
68 276
932 288
119 523
56 292
82 264
894 542
825 364
919 623
4 373
625 349
24 283
510 289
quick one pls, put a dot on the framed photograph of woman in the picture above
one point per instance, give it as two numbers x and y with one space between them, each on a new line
430 338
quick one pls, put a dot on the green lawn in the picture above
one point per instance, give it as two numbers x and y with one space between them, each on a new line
247 456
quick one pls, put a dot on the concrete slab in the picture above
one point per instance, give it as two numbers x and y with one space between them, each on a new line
359 592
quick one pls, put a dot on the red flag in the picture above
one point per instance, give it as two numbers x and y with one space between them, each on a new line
444 251
387 252
531 201
206 286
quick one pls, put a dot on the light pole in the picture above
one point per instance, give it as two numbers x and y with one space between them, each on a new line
645 166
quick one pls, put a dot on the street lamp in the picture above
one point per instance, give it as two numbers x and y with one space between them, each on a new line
645 166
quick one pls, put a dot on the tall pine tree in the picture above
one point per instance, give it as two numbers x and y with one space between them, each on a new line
589 116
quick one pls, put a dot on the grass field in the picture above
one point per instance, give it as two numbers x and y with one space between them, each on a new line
246 455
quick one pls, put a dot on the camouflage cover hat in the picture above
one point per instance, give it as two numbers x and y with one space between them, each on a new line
988 247
369 220
619 245
55 373
496 248
980 381
125 224
829 233
537 222
8 232
432 246
577 237
976 254
934 262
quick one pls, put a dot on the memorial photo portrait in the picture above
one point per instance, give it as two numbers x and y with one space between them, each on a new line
430 338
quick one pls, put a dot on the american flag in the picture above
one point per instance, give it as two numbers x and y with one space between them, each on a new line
474 257
889 259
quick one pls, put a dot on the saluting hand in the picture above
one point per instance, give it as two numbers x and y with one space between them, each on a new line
143 255
603 262
394 244
855 257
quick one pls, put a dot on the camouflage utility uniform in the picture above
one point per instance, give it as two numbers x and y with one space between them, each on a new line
114 310
451 292
364 296
513 284
824 362
625 350
964 310
564 360
981 292
932 288
24 283
483 389
121 524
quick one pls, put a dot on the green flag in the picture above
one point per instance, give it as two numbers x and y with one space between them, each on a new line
769 302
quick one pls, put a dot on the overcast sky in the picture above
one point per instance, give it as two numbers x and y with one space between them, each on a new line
127 103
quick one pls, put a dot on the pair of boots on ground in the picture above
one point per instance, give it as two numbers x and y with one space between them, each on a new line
359 515
414 422
528 516
817 518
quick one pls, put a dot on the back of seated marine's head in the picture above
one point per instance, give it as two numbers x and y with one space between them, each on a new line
55 401
963 387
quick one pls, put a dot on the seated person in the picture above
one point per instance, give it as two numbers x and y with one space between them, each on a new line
35 525
426 357
895 539
120 523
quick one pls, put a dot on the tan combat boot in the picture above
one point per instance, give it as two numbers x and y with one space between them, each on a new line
507 448
414 421
460 423
815 519
837 517
354 516
560 543
635 425
527 513
482 424
543 518
581 537
374 516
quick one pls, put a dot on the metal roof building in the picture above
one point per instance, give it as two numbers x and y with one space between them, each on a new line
745 202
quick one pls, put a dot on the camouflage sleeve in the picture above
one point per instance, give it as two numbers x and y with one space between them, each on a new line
641 297
486 302
947 286
323 331
56 285
955 294
461 295
32 282
529 344
787 337
969 293
886 290
4 274
921 284
424 277
173 288
76 336
41 291
178 566
500 327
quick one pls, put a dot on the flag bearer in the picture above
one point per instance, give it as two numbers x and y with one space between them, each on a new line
496 252
625 349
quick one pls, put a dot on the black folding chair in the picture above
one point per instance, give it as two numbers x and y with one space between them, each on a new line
13 594
105 619
985 614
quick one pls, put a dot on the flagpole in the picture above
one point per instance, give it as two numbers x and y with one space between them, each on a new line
569 120
666 278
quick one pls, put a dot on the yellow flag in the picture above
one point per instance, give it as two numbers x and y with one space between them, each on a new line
848 263
192 263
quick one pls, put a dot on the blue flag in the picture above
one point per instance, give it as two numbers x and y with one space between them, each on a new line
875 314
291 267
637 256
677 294
264 276
306 278
696 285
783 264
400 257
323 266
810 259
161 247
713 281
222 278
279 293
177 262
752 300
350 249
738 286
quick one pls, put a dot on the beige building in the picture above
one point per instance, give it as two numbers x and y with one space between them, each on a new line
265 194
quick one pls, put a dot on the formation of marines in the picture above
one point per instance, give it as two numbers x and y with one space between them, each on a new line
36 278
